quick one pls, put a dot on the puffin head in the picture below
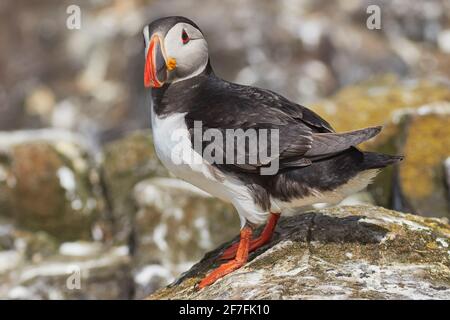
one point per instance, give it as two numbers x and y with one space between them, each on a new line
175 49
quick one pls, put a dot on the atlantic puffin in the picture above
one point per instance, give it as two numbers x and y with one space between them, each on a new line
315 164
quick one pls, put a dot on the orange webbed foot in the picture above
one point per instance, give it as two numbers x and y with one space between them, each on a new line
230 266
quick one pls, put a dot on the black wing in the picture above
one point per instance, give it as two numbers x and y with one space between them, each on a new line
303 136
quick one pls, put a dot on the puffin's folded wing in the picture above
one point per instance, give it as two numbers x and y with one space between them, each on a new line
250 152
328 143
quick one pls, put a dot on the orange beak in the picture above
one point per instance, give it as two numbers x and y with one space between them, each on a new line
155 72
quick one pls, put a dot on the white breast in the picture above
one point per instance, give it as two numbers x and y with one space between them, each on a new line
174 148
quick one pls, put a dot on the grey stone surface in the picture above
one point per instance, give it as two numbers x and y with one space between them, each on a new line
349 252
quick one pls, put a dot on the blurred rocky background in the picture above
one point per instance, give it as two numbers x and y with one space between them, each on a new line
86 209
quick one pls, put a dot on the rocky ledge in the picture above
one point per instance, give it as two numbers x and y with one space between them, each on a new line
348 252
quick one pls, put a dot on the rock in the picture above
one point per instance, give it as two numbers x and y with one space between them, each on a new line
31 246
126 162
7 181
35 246
82 270
176 223
34 266
444 41
40 101
447 175
47 183
149 278
9 260
418 184
348 252
376 102
6 236
415 115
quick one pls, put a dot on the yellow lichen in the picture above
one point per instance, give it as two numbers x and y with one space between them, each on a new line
373 102
426 147
432 245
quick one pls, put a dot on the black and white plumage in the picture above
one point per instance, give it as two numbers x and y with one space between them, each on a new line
316 164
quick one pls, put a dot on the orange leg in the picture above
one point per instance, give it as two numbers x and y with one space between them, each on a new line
265 237
230 266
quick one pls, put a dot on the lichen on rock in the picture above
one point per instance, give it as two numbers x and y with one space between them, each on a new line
349 252
416 119
375 101
418 184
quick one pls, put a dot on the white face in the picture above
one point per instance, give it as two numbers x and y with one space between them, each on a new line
191 56
185 47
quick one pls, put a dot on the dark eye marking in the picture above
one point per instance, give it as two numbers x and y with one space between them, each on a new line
185 37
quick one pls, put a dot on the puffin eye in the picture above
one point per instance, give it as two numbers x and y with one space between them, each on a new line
184 37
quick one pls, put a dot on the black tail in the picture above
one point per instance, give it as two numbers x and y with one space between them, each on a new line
328 143
373 160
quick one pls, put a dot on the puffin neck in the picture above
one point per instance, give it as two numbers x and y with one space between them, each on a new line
174 97
203 76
